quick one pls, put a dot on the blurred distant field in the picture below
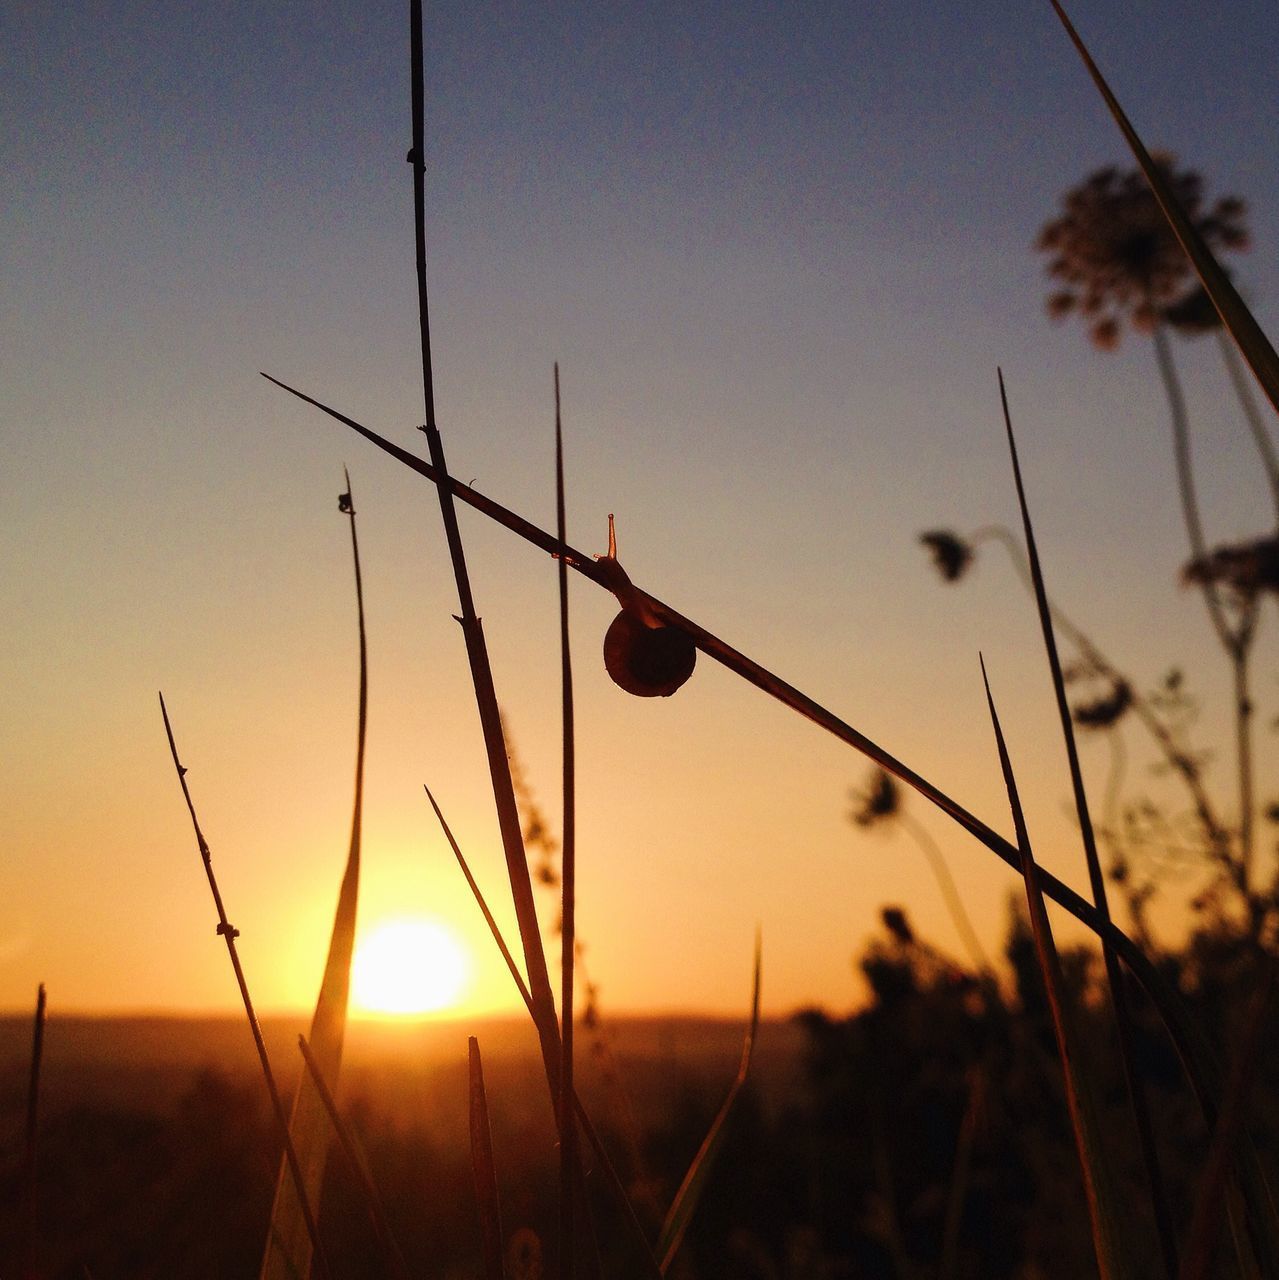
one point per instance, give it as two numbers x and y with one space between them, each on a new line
157 1157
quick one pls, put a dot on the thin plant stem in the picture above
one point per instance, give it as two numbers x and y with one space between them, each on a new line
288 1248
483 1167
687 1198
1181 764
949 1261
946 883
30 1150
1260 435
229 934
1186 477
611 1176
1196 1057
1236 641
357 809
1239 663
568 876
1114 973
358 1165
477 652
1205 1221
1106 1231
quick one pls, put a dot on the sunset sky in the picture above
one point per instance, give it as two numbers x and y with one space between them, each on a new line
779 251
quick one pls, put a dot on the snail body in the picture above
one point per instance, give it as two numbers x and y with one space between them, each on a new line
641 654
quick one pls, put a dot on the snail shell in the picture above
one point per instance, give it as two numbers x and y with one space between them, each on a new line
650 662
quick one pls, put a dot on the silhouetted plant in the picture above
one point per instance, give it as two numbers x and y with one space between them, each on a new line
1120 264
1118 259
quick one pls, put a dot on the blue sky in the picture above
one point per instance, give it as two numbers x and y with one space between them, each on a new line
779 251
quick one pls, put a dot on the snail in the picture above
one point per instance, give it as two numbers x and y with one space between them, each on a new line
641 653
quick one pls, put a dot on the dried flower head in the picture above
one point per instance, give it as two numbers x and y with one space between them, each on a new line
951 554
877 803
1117 258
1105 711
1247 568
898 925
344 504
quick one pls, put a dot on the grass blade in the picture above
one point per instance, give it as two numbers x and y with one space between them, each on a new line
1104 1213
948 1263
1253 344
568 878
288 1244
30 1149
1196 1055
391 1254
695 1180
611 1176
1114 972
229 934
539 981
483 1168
1205 1221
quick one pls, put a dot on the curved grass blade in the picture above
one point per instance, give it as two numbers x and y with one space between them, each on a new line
695 1180
1197 1057
308 1124
1252 342
1104 1212
229 934
482 1166
1114 973
394 1259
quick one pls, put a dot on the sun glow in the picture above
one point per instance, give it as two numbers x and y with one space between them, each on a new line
408 966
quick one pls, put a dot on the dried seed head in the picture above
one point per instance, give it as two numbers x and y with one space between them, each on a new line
951 554
1117 261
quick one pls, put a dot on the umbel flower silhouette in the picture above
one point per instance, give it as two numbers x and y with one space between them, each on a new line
1117 259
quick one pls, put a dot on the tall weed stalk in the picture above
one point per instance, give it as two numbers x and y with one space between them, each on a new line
288 1249
229 934
1114 972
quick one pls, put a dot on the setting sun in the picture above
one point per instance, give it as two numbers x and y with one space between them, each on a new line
408 966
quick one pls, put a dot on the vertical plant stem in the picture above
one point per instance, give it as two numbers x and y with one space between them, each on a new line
288 1246
1107 1229
568 876
1243 753
948 1265
483 1168
1205 1221
1178 761
477 653
611 1176
391 1254
1261 436
229 935
1186 475
1236 642
30 1164
1114 973
946 883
